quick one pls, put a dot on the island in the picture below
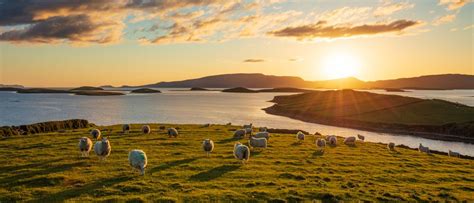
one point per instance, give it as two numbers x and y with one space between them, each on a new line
145 91
239 90
98 93
395 90
87 88
43 90
198 89
429 118
10 89
278 89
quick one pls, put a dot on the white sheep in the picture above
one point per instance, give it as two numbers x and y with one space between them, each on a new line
248 126
332 139
265 135
146 129
424 149
248 131
172 132
262 129
241 152
138 160
350 140
126 128
96 134
208 146
85 146
361 137
300 136
454 154
320 143
258 142
102 148
391 146
239 133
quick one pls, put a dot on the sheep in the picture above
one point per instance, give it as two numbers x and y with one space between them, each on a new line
350 140
265 135
85 146
241 152
206 125
424 149
208 146
248 126
300 136
332 139
172 132
320 143
126 128
138 160
262 129
258 142
229 123
248 131
239 133
102 148
96 134
454 154
146 129
391 146
361 137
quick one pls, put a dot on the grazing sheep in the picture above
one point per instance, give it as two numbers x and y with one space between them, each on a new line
229 123
102 148
239 133
361 137
96 134
248 131
350 140
300 136
172 132
207 125
126 128
262 129
208 146
85 146
424 149
265 135
146 129
241 152
320 143
137 159
454 154
332 140
248 126
258 142
391 146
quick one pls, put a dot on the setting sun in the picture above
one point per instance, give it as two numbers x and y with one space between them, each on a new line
340 65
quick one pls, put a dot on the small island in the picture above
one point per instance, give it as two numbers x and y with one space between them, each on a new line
98 93
239 90
198 89
429 118
43 90
87 88
145 91
10 89
395 90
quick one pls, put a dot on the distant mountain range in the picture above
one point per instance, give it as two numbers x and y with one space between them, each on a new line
11 86
258 80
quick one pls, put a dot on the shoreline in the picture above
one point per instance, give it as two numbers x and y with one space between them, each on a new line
354 125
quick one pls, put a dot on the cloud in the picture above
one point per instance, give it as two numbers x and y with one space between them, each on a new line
253 60
454 4
76 29
389 8
444 19
322 29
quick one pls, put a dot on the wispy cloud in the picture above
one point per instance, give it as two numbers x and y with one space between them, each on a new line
454 4
444 19
322 29
389 8
253 60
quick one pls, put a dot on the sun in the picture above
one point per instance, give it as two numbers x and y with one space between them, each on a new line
340 65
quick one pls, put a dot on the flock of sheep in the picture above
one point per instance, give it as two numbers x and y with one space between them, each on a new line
138 159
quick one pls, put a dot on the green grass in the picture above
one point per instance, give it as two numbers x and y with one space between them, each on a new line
48 167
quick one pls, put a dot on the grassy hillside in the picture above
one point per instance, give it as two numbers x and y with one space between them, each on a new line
372 111
47 167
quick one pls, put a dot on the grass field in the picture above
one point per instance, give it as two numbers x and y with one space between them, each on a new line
48 167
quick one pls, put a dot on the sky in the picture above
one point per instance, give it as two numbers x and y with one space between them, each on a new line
68 43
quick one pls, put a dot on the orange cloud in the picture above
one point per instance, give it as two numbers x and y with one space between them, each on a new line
322 30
